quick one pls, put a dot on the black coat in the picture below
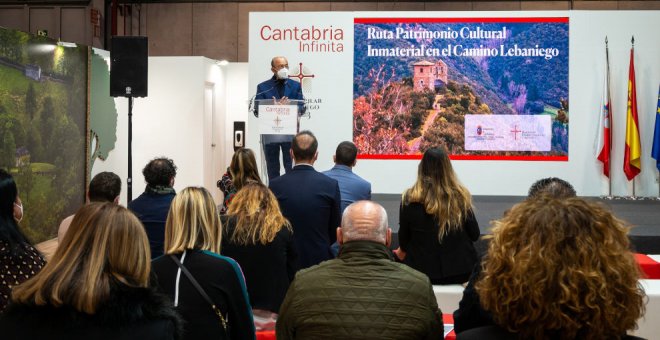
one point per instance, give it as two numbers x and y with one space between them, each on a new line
268 269
447 262
494 332
222 280
470 314
129 314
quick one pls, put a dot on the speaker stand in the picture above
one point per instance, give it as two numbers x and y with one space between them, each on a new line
129 180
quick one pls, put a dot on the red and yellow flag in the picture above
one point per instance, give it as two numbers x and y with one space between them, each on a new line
633 152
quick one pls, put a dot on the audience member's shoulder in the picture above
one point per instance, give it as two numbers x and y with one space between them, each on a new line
136 201
313 272
223 265
220 259
276 181
361 179
411 273
324 177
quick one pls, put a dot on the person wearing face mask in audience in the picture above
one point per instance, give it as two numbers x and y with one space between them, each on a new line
19 260
281 89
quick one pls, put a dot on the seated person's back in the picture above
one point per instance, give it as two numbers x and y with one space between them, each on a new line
362 294
153 205
192 237
310 201
561 268
437 226
96 286
260 239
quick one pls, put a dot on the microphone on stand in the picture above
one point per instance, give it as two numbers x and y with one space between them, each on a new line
254 111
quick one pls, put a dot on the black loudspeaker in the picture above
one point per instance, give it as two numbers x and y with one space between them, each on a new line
128 66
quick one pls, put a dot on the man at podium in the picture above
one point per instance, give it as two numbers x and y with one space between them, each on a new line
279 88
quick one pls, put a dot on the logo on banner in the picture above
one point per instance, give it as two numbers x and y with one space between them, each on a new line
310 39
305 77
515 132
479 130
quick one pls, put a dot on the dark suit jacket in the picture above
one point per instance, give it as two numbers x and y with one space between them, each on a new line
269 89
310 200
152 210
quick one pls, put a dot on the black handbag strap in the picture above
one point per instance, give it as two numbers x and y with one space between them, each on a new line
201 291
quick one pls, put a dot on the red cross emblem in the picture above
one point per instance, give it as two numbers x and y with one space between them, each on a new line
301 74
515 132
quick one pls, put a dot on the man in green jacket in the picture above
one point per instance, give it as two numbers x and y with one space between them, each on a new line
363 293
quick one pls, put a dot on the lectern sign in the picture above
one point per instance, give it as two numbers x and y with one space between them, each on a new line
278 119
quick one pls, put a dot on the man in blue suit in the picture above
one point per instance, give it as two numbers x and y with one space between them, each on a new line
310 201
280 88
352 187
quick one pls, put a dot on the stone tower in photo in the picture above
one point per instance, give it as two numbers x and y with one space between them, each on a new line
429 75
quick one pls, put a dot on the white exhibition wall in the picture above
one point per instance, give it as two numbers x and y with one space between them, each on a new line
332 85
193 102
182 118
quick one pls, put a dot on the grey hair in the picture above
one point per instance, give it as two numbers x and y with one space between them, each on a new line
365 232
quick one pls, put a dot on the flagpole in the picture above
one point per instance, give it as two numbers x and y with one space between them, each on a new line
632 41
609 113
655 146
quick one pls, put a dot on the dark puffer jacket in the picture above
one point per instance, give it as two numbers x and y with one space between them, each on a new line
362 294
129 314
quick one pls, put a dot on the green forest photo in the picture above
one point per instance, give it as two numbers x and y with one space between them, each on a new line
43 124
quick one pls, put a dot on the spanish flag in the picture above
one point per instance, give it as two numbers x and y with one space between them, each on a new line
632 156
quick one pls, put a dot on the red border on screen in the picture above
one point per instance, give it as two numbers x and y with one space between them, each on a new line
471 157
563 20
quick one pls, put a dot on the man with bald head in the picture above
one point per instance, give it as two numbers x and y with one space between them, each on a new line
310 200
279 87
362 294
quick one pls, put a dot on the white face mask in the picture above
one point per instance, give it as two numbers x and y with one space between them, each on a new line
18 220
283 73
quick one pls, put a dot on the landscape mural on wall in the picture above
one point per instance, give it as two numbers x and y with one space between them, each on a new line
43 124
483 88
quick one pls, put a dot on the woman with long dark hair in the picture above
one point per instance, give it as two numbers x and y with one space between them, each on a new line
437 226
19 260
241 171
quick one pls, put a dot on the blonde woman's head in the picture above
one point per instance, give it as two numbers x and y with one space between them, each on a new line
193 222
